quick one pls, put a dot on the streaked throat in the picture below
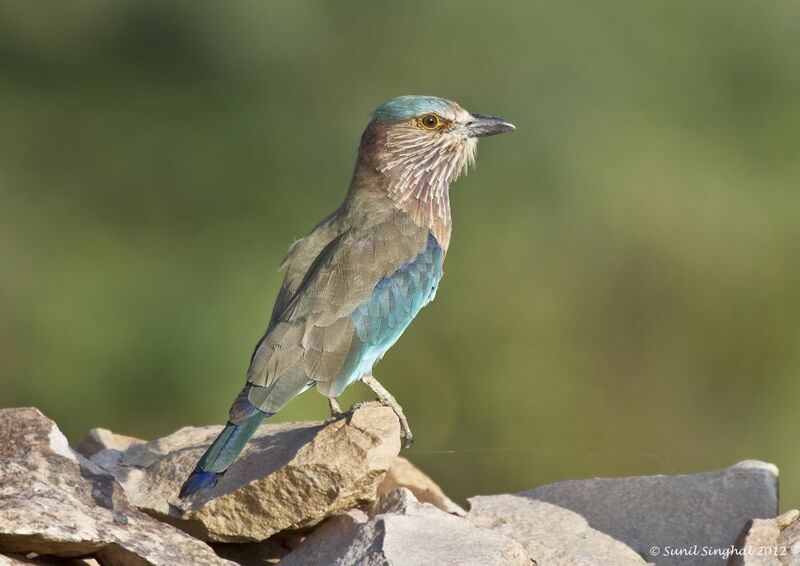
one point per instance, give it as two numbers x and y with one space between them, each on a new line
420 169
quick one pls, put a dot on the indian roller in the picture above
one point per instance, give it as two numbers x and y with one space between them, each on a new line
358 279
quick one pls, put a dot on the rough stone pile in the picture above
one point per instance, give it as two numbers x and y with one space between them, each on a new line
337 493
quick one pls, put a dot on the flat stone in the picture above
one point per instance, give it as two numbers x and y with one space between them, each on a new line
403 473
290 476
550 534
55 502
401 531
668 513
769 542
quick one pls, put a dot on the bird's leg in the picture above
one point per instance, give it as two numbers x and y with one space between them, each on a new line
333 405
336 411
386 398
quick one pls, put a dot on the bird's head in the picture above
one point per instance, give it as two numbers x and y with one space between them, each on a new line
414 147
423 143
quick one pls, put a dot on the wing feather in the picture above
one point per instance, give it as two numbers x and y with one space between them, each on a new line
312 334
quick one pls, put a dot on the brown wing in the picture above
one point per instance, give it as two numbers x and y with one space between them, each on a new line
313 337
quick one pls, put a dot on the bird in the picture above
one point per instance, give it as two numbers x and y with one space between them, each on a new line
354 284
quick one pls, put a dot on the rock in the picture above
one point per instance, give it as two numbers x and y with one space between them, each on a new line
671 512
32 559
550 534
54 502
403 532
403 473
101 439
290 476
769 542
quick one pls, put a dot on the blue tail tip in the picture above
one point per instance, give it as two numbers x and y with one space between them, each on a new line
199 480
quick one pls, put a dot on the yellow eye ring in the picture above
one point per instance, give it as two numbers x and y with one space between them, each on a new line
430 121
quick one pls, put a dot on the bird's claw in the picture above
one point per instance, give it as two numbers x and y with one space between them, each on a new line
406 437
364 404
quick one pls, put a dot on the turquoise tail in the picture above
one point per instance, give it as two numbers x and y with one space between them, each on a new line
222 453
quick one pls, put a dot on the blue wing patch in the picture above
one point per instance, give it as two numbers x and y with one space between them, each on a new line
397 298
382 319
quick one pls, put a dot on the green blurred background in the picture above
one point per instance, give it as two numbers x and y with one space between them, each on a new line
622 288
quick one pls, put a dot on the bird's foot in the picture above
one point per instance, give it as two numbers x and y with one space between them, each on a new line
408 438
386 398
405 430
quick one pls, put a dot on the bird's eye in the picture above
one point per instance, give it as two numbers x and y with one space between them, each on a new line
430 121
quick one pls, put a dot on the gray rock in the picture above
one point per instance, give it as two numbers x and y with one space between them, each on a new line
550 534
290 476
769 542
403 473
54 502
671 512
403 532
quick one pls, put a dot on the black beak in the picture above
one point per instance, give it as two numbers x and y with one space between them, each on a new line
482 126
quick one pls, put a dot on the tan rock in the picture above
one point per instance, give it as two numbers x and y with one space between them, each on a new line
54 502
403 473
290 476
403 532
101 439
769 542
